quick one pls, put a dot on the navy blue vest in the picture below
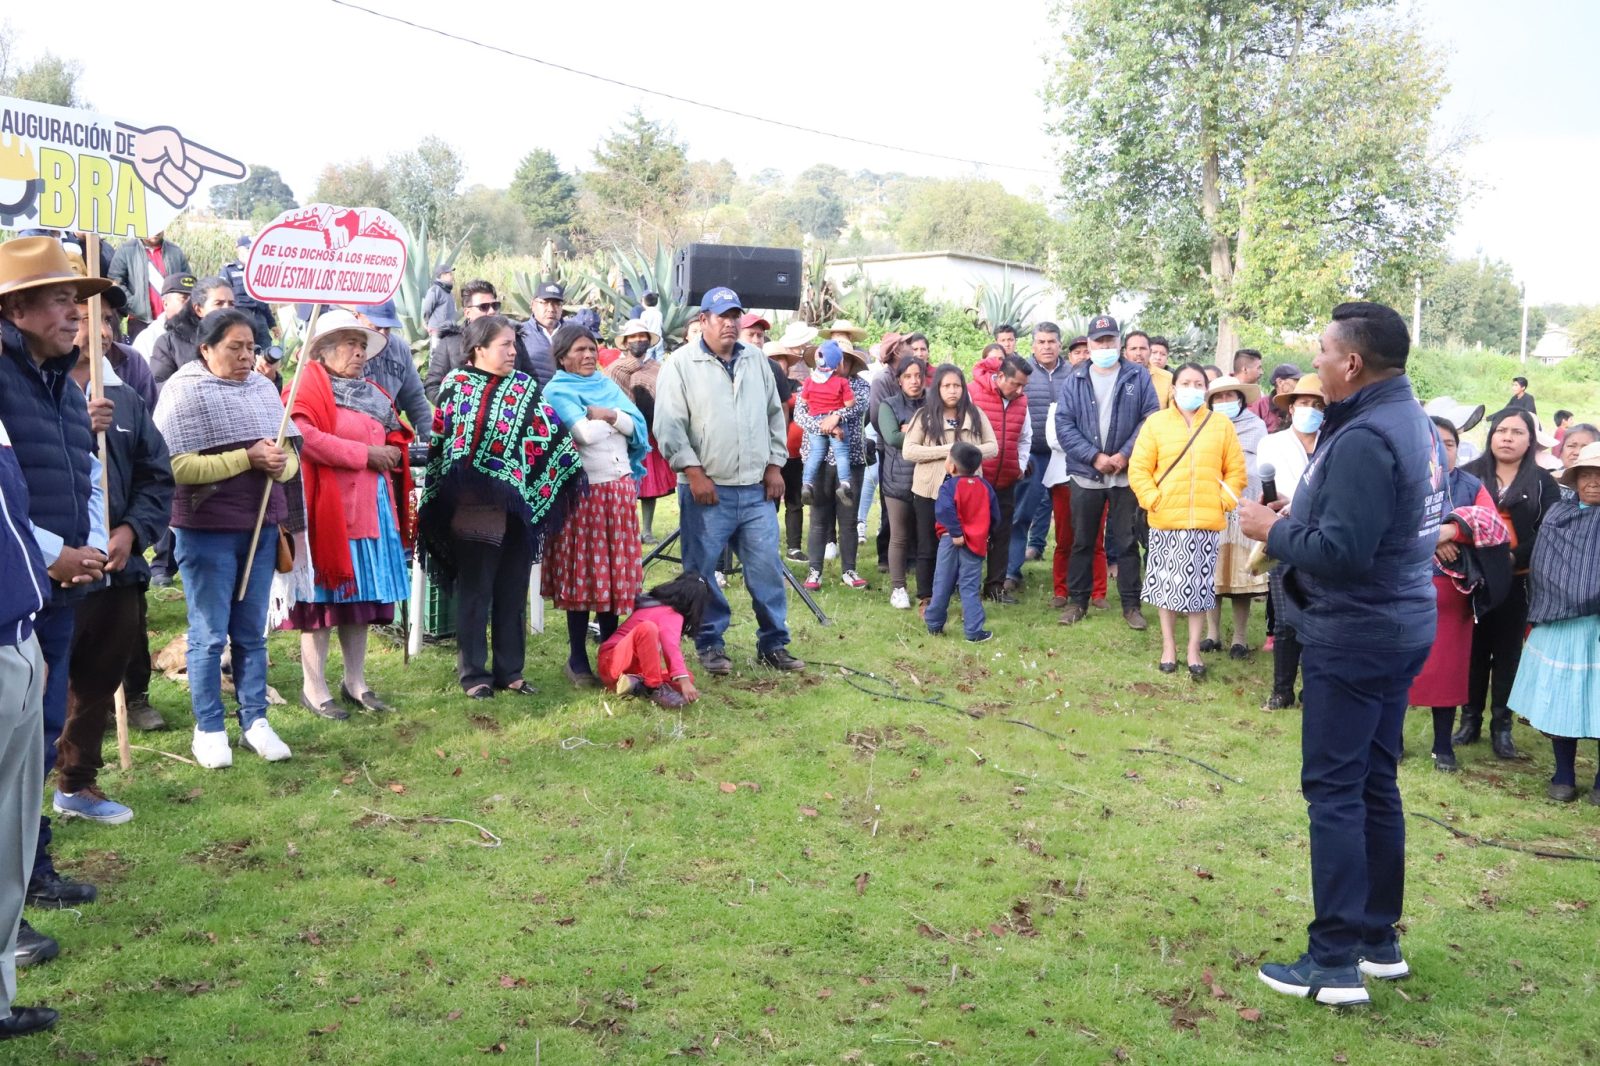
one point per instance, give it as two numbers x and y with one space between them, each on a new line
48 421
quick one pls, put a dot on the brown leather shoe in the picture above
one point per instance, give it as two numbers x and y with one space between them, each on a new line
1058 602
1135 620
1072 615
1099 603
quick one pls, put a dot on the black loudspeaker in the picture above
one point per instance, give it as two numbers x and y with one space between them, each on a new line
768 278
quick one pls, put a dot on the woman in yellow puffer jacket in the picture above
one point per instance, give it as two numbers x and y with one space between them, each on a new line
1188 471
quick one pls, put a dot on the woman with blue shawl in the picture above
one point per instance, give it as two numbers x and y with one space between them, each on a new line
593 564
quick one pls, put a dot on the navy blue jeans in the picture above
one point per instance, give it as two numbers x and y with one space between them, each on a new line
1354 705
746 521
1033 509
956 569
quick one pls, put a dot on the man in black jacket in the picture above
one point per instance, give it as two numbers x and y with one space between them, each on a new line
478 299
180 344
549 303
109 626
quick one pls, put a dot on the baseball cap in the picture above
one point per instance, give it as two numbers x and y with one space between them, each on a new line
830 356
1103 326
1077 342
550 290
752 320
242 242
1285 372
720 301
383 315
183 283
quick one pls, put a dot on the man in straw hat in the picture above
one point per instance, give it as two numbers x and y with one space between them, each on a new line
48 421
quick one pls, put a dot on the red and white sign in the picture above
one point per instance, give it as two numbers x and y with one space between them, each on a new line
326 254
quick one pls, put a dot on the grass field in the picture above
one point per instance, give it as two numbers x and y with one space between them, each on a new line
795 870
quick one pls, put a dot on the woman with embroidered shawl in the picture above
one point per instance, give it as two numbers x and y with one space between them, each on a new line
358 492
502 472
635 371
220 420
593 563
1475 525
1558 685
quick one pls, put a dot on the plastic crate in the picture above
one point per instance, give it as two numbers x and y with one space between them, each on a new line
438 606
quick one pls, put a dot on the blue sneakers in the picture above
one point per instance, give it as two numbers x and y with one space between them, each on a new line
92 804
1384 961
1333 986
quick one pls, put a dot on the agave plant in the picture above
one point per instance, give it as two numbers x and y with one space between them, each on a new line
633 272
1006 304
421 267
577 278
820 301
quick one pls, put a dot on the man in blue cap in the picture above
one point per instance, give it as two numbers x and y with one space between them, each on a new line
392 369
549 304
720 424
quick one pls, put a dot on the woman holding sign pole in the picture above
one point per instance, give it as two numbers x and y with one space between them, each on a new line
220 420
353 444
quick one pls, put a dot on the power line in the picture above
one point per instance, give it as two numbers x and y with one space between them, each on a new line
684 99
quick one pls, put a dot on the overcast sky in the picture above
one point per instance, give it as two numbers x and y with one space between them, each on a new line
300 83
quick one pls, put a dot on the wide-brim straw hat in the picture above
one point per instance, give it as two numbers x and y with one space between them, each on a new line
635 326
35 262
1588 458
852 362
843 325
775 350
1461 415
336 321
797 335
1308 385
1228 383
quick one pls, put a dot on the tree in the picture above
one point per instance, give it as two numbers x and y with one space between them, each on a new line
1586 334
497 223
978 217
359 184
546 196
49 79
1247 160
260 197
640 187
423 187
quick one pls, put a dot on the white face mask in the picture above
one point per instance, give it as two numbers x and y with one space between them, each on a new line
1188 397
1228 409
1104 358
1306 419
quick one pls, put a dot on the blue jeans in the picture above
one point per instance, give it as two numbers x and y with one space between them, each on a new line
53 626
820 446
869 484
211 564
1033 501
745 520
956 568
1354 706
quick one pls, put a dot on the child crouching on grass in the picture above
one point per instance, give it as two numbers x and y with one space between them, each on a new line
644 657
964 513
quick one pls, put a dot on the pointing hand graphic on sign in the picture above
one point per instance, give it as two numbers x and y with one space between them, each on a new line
173 166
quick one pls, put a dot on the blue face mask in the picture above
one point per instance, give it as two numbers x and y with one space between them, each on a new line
1104 358
1306 419
1228 409
1188 397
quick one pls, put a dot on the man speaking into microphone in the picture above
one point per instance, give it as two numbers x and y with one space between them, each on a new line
1355 548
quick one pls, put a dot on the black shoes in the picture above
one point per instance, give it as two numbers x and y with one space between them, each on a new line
145 717
1239 651
716 662
1197 671
25 1021
50 889
33 947
777 659
1469 730
1445 762
1279 701
1210 645
1500 734
1559 793
328 709
1167 668
366 698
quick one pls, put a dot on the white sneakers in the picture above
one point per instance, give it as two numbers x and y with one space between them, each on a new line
260 739
212 752
899 599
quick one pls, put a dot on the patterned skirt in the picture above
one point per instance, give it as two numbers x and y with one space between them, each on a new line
1180 570
1558 683
594 563
381 580
1233 563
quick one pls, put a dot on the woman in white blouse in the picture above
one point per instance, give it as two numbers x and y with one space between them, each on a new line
1288 452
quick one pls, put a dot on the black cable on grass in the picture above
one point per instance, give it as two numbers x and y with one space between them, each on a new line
937 699
1507 845
1185 758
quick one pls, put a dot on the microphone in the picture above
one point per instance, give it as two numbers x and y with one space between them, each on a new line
1269 487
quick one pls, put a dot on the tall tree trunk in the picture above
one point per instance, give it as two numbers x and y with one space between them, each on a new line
1221 247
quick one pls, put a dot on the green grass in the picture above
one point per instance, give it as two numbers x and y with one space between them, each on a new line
897 882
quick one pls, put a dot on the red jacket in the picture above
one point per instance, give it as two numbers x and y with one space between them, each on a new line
1003 470
967 508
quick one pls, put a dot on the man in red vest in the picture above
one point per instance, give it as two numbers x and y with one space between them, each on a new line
999 388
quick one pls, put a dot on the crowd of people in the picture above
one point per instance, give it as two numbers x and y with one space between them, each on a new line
289 501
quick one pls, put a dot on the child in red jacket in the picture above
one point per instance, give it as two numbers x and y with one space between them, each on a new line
644 657
965 513
827 391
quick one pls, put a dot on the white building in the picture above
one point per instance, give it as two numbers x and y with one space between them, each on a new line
1554 346
951 277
